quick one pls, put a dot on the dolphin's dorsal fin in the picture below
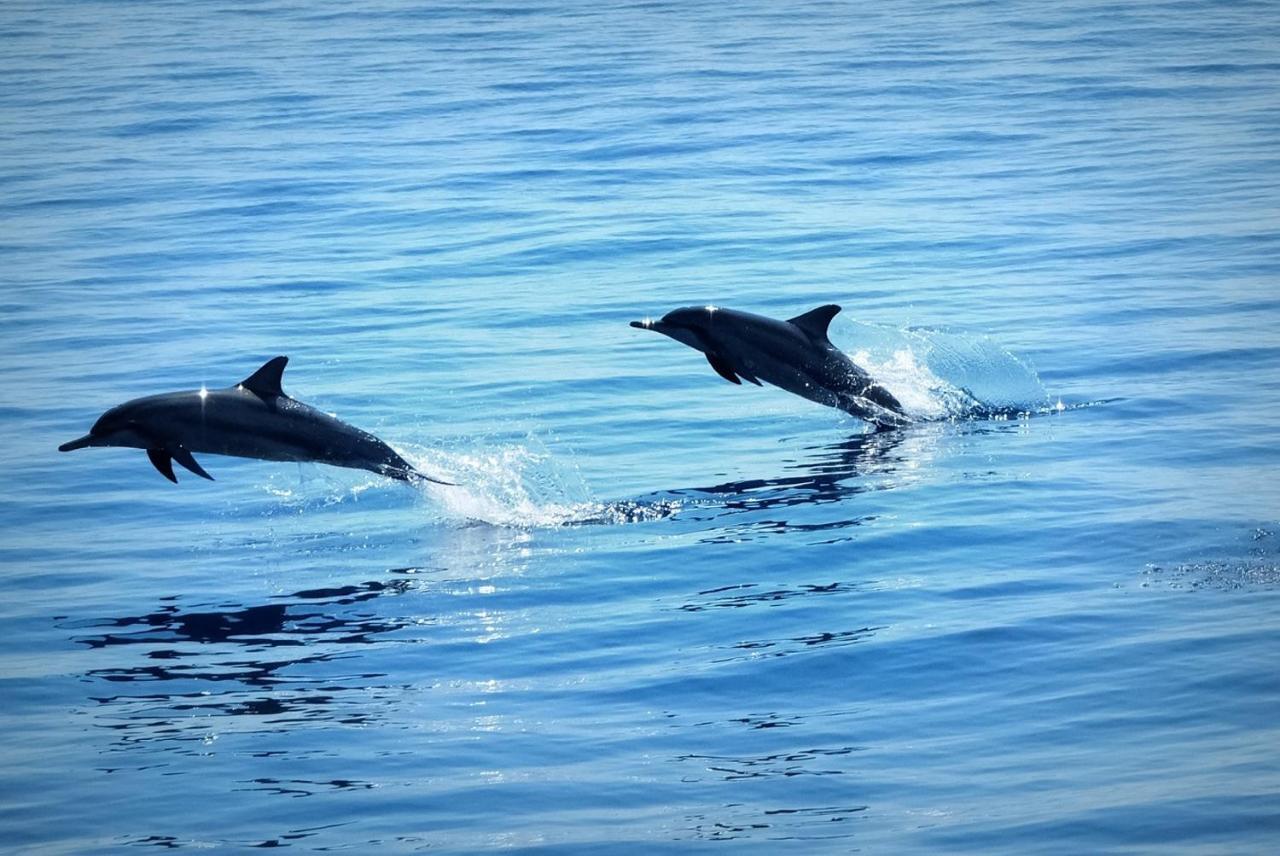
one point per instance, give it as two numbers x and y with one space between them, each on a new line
265 382
816 321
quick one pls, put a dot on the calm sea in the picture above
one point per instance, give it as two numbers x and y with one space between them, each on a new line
661 613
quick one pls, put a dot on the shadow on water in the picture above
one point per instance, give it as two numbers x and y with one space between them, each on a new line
269 667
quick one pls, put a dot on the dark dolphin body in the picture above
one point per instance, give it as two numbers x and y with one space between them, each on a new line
795 355
253 419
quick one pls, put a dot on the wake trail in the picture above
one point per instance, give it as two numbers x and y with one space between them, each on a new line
936 374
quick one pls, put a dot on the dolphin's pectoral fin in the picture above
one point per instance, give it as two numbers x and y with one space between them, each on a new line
161 461
722 368
265 382
184 457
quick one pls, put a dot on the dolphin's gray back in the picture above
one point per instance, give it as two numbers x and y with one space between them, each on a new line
784 355
801 361
241 423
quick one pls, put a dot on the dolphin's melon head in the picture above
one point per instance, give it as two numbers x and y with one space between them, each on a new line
687 325
117 427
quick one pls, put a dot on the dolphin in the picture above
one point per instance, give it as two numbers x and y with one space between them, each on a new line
253 419
794 354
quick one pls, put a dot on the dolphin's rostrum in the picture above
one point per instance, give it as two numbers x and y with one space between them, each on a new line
795 355
253 419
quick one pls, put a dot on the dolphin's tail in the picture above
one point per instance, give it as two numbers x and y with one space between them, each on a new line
881 396
414 475
394 466
406 473
875 405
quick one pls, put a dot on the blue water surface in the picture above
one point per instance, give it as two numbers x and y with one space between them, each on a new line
660 612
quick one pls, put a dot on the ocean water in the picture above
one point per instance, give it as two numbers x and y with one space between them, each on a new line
660 613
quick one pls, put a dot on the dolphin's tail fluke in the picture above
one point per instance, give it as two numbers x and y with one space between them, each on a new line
872 408
882 397
414 475
407 473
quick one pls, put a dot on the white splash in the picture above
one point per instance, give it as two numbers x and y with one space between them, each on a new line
516 486
941 374
922 393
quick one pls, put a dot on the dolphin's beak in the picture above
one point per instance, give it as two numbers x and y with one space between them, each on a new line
649 324
86 440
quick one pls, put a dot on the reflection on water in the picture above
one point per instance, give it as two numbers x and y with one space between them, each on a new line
755 790
757 648
302 787
746 766
813 493
268 625
285 679
779 824
272 667
308 665
285 839
805 762
829 473
747 594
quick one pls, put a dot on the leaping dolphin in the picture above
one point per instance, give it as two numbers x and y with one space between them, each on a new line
795 355
253 419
